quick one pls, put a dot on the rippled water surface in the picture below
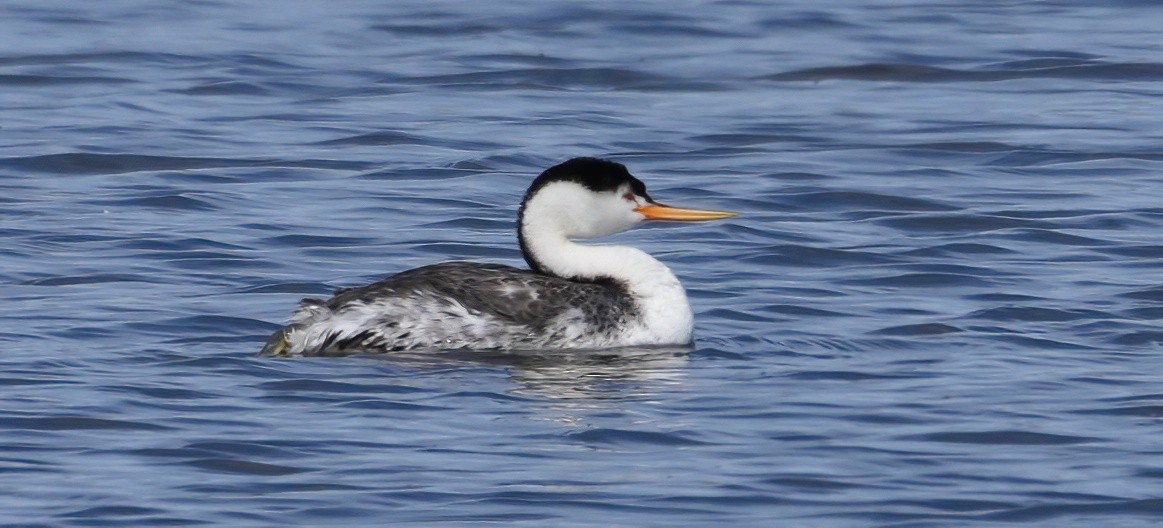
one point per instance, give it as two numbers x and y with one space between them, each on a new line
940 307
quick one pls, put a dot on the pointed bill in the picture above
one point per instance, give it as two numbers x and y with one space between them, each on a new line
665 212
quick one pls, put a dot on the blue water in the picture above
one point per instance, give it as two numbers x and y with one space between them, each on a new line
940 307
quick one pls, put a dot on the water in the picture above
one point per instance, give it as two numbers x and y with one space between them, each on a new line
940 307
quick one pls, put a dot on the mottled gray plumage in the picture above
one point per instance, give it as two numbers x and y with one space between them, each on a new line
519 296
466 304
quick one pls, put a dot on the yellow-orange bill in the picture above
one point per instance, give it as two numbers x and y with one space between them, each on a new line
664 212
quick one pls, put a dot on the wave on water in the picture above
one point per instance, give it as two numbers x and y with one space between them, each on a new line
1047 68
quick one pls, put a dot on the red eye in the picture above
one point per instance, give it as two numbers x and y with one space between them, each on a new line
630 196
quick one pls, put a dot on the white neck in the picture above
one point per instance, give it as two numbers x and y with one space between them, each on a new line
560 211
666 316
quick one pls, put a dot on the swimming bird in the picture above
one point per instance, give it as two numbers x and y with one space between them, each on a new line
572 296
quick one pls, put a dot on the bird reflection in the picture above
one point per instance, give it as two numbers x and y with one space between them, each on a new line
610 373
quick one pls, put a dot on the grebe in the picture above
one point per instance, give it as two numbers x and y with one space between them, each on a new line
573 295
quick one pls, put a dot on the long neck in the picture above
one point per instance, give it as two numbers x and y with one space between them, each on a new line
554 254
663 310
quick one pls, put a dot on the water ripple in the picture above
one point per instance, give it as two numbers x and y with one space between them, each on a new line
631 437
1024 69
562 79
1004 438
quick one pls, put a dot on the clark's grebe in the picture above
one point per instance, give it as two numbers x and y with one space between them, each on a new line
573 296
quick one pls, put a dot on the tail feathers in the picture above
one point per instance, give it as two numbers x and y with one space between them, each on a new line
311 310
317 330
295 340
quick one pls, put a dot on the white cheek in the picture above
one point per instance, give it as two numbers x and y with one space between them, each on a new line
633 218
609 215
624 217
